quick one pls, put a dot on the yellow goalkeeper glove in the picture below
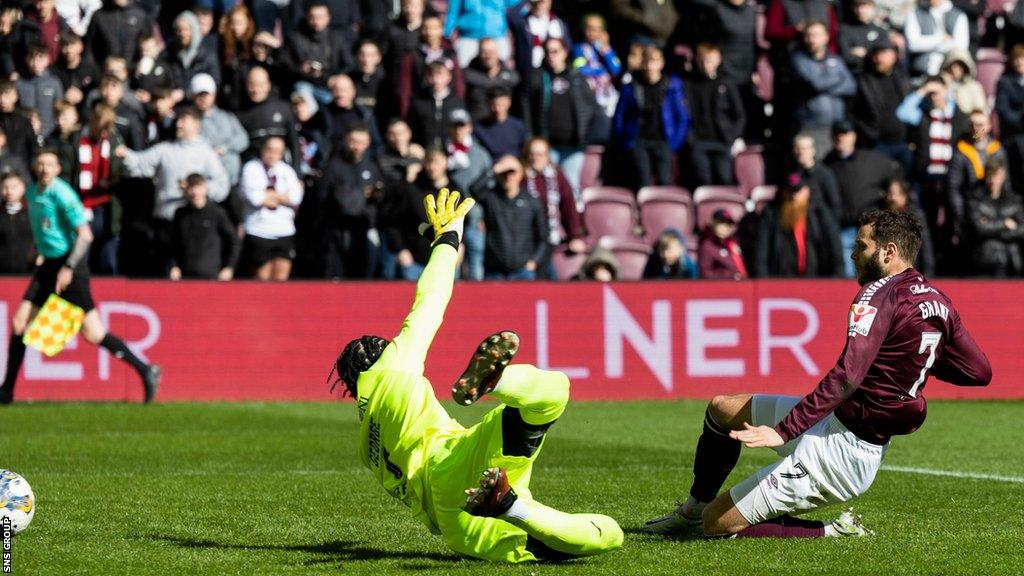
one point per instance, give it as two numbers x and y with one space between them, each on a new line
445 213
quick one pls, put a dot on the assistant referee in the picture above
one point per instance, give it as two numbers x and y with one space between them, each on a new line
62 236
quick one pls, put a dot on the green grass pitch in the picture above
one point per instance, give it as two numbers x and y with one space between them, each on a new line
248 489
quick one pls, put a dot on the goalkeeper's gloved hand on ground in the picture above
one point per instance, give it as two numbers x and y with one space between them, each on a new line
445 215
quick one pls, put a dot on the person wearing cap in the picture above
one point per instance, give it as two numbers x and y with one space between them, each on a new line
468 161
862 176
822 83
517 231
796 238
221 128
881 86
859 34
720 256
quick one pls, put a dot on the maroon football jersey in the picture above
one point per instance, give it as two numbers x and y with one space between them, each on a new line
900 330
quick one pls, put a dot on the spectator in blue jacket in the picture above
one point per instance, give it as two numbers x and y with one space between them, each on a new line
475 20
597 61
822 84
651 120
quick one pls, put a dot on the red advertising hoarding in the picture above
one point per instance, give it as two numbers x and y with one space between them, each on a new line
253 341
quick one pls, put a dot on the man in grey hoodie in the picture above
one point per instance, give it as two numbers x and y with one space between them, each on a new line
221 129
171 162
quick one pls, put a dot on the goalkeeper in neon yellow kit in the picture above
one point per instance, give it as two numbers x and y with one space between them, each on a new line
423 457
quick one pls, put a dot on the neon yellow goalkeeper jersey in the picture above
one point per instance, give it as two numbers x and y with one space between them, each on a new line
399 416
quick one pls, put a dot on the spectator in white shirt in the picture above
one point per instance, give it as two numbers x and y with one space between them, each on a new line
932 30
272 193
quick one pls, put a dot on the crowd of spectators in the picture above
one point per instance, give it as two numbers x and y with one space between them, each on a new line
274 139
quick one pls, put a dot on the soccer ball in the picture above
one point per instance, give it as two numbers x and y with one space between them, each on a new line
17 502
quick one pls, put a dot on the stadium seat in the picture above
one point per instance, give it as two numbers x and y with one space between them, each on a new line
760 23
567 264
708 199
748 166
991 63
590 174
765 79
631 254
664 207
608 211
761 196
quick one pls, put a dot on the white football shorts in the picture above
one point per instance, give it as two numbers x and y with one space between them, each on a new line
825 465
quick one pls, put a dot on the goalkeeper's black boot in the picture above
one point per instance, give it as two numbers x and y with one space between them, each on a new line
485 367
151 382
6 393
493 498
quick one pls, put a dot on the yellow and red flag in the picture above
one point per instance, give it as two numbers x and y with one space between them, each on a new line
58 320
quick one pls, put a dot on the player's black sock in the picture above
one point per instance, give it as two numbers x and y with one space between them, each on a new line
717 455
120 351
15 356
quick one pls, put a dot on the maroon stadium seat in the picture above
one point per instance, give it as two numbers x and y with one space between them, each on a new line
708 199
664 207
760 23
749 168
590 174
631 254
608 211
765 79
991 63
761 196
567 264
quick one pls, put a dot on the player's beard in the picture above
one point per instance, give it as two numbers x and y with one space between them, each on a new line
870 269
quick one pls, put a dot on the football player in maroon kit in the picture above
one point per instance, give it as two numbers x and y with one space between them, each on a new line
832 441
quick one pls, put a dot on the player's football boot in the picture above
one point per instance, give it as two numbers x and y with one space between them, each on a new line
6 394
485 367
151 382
674 523
850 524
494 496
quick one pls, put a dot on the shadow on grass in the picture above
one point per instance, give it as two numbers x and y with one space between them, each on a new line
331 551
637 532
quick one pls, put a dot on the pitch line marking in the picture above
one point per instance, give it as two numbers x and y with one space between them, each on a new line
954 474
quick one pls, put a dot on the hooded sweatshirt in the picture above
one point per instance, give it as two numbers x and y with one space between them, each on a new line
968 92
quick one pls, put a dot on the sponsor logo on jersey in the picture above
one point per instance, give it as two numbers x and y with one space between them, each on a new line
861 318
373 443
922 289
773 481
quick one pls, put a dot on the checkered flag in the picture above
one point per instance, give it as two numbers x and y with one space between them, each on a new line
58 320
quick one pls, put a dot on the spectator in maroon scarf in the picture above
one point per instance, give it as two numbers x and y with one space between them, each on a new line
545 182
720 256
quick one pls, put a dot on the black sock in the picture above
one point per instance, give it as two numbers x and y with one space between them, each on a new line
717 455
15 356
121 352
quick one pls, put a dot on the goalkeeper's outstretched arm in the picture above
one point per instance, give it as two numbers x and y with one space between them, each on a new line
434 288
